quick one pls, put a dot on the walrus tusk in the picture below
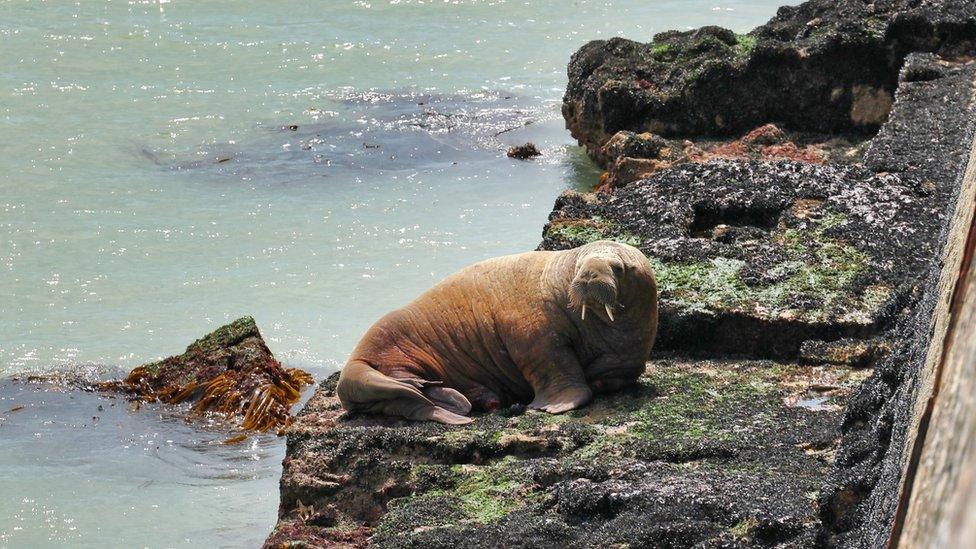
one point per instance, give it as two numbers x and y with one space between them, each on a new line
583 315
609 312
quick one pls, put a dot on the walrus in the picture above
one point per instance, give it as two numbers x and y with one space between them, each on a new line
545 328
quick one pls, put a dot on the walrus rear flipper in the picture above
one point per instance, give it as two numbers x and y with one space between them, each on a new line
449 399
361 388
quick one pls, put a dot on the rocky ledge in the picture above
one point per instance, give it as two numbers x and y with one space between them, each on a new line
756 257
793 189
715 451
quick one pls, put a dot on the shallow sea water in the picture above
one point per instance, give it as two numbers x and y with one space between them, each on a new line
168 166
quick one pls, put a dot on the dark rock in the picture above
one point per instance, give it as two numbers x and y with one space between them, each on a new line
929 125
823 66
930 134
628 144
523 152
754 258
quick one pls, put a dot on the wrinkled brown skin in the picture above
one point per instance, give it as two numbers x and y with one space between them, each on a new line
510 330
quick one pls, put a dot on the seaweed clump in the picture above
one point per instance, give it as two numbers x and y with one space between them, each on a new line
230 371
523 152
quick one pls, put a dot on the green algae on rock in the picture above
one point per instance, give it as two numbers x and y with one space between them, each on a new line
703 431
230 371
575 233
756 257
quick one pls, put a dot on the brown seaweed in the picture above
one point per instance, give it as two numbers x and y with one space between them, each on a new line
230 372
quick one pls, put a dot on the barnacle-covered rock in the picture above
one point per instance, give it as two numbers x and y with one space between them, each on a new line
630 157
756 256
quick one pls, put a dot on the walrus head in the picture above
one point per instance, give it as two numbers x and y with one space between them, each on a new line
601 271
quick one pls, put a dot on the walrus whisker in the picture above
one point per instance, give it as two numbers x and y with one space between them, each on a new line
602 292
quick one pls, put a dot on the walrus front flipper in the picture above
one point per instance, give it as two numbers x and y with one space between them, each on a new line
564 399
362 388
563 392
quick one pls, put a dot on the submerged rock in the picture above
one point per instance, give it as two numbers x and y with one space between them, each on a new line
230 371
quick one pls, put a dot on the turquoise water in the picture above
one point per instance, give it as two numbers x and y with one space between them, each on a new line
168 166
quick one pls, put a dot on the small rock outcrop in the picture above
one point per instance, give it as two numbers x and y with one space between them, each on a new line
230 371
523 152
630 157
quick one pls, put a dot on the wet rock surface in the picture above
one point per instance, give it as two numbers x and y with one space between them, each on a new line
823 66
715 452
523 152
230 371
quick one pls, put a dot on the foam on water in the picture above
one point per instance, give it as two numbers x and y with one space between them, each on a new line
151 189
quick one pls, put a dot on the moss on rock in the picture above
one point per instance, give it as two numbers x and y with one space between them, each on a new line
755 257
577 233
703 429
